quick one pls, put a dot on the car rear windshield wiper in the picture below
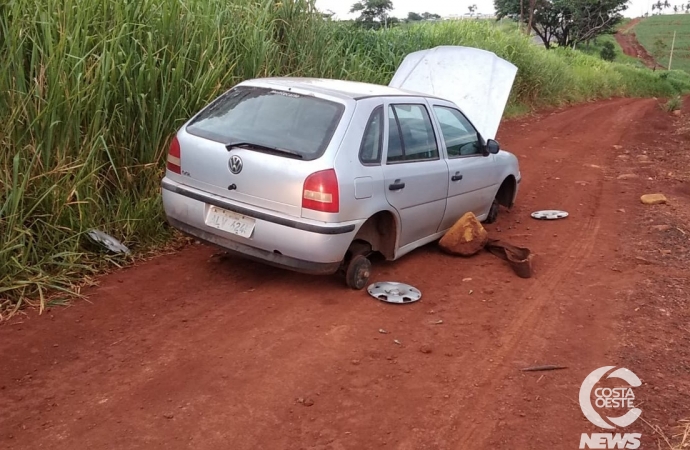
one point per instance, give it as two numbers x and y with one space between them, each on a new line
264 148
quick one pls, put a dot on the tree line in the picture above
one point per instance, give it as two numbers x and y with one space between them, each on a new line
563 23
376 13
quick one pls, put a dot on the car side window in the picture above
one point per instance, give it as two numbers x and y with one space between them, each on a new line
460 136
410 134
372 141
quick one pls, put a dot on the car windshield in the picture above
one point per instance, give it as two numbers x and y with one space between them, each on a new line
295 123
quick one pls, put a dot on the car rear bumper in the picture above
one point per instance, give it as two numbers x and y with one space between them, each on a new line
279 240
256 254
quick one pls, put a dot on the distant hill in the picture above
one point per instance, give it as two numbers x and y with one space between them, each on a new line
656 33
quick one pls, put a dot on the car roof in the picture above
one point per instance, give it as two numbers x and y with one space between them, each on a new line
338 88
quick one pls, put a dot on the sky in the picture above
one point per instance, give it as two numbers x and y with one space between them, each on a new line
446 7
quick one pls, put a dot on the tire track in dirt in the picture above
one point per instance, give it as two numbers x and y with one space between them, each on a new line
537 296
540 293
494 368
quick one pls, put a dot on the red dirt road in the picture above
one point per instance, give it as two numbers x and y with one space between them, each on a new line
201 352
631 46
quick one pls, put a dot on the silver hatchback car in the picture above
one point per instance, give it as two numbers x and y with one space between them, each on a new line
315 175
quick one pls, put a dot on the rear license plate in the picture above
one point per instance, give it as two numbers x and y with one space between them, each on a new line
230 222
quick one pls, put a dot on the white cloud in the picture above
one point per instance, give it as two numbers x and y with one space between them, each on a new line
447 7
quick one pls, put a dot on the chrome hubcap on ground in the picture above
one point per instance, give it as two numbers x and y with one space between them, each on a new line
549 214
392 292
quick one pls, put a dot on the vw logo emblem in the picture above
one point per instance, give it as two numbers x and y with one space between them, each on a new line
235 164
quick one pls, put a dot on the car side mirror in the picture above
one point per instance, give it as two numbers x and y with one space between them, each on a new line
492 146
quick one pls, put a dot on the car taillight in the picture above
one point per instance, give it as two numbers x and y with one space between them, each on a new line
321 192
174 164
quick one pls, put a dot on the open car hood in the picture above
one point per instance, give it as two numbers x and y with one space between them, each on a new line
477 81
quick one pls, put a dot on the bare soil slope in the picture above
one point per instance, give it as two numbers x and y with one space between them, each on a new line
631 47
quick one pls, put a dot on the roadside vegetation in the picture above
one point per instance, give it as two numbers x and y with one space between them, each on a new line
92 91
655 33
674 104
596 46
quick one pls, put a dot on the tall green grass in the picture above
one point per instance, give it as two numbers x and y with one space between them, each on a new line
92 90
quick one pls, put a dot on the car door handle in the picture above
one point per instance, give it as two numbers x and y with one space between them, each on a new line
396 186
456 177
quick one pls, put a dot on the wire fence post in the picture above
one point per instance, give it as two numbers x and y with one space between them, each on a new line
670 57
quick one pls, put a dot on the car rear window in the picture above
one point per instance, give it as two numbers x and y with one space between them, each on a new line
271 118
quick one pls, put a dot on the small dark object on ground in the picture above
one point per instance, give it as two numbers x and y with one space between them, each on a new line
519 258
542 368
305 401
107 241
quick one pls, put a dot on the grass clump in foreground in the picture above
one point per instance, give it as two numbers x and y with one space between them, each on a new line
92 91
674 104
656 36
